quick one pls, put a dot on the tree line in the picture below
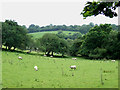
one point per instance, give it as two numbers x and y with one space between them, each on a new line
102 41
76 28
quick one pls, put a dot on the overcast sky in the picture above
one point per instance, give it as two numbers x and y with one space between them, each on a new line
43 13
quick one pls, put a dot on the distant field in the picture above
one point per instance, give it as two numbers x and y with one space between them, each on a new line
40 34
56 72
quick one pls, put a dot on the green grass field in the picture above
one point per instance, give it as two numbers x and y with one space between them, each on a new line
55 72
40 34
0 70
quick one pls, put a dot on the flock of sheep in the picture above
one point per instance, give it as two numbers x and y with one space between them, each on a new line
72 66
36 68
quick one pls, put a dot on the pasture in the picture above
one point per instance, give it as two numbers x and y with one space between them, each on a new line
40 34
55 72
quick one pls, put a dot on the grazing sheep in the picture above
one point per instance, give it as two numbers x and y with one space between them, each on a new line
113 60
51 56
73 67
74 58
36 68
20 57
45 55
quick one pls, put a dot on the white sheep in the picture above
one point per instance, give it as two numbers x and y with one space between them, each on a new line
113 60
45 55
20 57
51 56
74 58
36 68
73 67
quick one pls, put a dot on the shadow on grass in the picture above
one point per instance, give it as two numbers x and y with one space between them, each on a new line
22 52
35 54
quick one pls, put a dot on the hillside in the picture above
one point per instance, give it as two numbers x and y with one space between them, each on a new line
40 34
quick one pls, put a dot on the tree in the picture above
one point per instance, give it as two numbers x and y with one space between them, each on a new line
13 35
63 47
74 49
91 24
49 43
113 45
95 40
105 8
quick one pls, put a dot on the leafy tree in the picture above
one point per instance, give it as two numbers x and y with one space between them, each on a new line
49 43
13 35
95 40
74 49
84 28
105 8
91 24
63 47
113 45
114 27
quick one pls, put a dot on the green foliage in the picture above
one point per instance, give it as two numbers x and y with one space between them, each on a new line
51 43
95 42
95 8
13 35
69 36
74 49
113 45
63 46
74 28
98 53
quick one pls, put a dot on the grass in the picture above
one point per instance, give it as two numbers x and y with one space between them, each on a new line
0 70
40 34
55 72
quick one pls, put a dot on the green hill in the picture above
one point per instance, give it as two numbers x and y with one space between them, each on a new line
40 34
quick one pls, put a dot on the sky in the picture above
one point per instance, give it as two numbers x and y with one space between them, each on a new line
46 12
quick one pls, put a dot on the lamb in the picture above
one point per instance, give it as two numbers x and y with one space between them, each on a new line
20 57
74 58
36 68
73 67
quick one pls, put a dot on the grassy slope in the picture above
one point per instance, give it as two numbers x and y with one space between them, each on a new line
40 34
55 72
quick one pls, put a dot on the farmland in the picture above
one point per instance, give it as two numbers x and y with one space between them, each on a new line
55 72
40 34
